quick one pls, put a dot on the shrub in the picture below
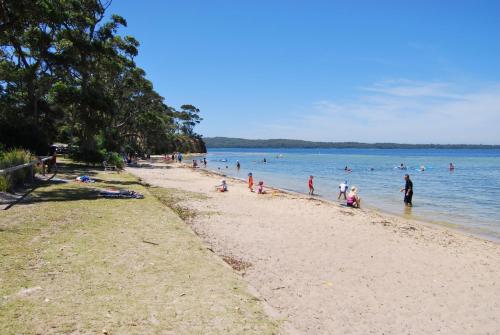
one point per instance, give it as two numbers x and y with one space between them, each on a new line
88 155
12 158
4 184
114 158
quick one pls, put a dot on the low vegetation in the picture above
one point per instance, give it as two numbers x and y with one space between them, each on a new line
12 158
74 263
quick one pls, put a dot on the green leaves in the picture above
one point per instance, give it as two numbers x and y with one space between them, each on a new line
66 74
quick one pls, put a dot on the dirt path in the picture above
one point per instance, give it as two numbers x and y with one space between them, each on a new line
71 263
330 269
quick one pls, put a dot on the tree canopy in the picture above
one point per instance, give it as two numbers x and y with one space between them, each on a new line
67 75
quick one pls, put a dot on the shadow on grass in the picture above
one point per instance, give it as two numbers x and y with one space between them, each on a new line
72 170
118 182
63 194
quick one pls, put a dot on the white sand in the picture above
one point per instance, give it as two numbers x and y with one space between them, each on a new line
334 270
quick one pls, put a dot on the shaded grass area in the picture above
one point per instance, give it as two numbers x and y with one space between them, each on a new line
75 263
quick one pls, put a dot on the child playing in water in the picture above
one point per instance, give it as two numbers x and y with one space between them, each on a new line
250 181
343 189
311 185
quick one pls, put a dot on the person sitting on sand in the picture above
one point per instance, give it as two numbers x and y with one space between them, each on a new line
260 189
222 187
250 181
353 200
311 185
343 190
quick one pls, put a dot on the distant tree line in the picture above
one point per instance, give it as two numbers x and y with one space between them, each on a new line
226 142
67 76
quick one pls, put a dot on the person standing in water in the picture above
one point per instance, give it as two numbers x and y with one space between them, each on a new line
311 185
343 189
408 191
204 162
238 165
452 167
250 181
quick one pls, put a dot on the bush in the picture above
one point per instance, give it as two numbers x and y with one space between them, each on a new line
4 184
88 156
114 158
12 158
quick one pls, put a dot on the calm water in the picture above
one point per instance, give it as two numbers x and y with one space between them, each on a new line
468 198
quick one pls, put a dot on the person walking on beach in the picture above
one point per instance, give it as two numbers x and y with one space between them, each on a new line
250 181
204 162
311 185
343 189
408 190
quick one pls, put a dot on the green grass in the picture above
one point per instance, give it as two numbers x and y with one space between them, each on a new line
125 265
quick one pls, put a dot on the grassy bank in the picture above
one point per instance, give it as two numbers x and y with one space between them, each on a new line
75 263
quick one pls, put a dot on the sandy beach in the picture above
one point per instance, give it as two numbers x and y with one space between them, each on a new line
328 269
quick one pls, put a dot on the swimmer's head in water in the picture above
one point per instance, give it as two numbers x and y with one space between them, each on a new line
250 174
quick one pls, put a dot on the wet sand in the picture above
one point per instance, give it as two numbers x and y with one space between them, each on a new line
328 269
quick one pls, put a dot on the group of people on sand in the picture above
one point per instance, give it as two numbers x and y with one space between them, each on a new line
352 198
260 187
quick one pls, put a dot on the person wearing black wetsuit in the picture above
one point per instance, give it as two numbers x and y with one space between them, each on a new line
408 190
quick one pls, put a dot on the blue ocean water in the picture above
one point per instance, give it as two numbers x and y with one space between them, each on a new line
467 198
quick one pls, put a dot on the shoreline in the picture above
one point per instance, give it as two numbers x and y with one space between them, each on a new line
327 268
446 225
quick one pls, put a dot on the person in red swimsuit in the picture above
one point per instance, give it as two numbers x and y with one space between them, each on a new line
311 185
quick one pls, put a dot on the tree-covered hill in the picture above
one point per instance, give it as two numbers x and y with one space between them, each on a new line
227 142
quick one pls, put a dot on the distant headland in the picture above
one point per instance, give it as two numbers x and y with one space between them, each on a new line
228 142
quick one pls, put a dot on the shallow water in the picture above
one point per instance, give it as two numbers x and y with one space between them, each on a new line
468 197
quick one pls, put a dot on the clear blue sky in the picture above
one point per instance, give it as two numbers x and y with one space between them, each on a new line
399 71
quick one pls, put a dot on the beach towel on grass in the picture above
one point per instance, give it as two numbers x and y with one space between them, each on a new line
121 194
